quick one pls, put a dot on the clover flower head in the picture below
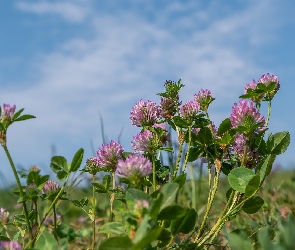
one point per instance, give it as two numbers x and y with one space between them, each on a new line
204 98
140 207
189 109
145 113
251 157
160 125
266 79
196 130
245 111
144 141
92 165
10 245
168 107
35 168
8 111
82 219
50 187
140 204
4 216
250 85
135 166
108 155
164 135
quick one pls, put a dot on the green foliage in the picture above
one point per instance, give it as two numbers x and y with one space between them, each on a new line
239 178
252 205
278 143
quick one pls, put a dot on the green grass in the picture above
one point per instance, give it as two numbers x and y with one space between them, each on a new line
277 192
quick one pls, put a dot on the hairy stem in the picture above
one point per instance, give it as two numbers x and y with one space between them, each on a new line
211 196
188 147
268 113
154 173
178 160
20 190
93 213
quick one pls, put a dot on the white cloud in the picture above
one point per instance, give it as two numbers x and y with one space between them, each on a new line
72 11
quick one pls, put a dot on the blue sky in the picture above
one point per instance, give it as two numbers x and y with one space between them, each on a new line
67 61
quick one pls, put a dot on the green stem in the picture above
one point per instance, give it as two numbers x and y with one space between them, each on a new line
219 224
20 191
178 160
268 113
200 180
37 218
154 173
54 223
188 147
193 184
35 238
112 196
211 196
93 213
114 180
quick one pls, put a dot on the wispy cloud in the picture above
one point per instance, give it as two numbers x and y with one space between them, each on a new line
72 11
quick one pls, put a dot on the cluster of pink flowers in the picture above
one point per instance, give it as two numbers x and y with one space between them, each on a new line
35 168
204 98
108 155
251 158
145 113
144 141
135 166
4 216
50 187
8 111
110 158
265 79
246 112
168 107
10 245
148 115
189 109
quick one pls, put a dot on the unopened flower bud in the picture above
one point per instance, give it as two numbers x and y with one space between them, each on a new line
4 216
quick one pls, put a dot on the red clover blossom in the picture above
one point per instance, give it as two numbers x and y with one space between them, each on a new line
50 189
8 111
168 107
108 155
250 85
251 157
164 135
10 245
204 98
189 109
134 167
35 168
244 113
144 141
145 113
4 215
266 79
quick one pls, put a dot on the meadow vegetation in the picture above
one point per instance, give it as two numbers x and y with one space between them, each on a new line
187 184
